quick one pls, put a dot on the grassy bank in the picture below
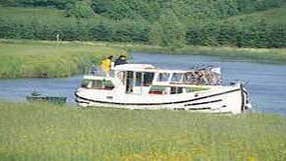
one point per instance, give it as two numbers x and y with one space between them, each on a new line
262 55
27 58
48 59
45 132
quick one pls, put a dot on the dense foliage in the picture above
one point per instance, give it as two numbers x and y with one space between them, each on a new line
158 22
257 34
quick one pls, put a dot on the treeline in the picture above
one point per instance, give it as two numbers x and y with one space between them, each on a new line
164 32
159 22
151 10
257 34
22 27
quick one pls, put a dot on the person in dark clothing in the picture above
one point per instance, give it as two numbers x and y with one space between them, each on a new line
120 60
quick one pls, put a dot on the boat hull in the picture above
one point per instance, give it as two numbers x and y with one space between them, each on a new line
225 100
55 100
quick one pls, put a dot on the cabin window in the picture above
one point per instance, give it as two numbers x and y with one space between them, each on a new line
158 90
97 84
195 89
86 83
190 78
138 81
148 78
108 85
177 77
163 77
176 90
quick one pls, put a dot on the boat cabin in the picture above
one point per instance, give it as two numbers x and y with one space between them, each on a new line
146 79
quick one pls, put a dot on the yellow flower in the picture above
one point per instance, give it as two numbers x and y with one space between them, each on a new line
251 158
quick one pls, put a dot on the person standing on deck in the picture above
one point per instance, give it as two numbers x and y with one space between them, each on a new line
120 60
106 65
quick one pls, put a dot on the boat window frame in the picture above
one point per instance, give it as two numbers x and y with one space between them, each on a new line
196 89
141 77
104 86
121 75
150 81
158 79
180 78
178 90
159 90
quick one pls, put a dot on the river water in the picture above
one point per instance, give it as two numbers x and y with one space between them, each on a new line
266 83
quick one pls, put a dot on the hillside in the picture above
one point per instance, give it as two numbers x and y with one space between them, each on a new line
271 16
165 23
259 29
151 10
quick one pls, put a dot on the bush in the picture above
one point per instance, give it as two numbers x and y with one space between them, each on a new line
80 9
173 31
155 36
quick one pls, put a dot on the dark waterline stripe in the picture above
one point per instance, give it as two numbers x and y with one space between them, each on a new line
201 103
166 103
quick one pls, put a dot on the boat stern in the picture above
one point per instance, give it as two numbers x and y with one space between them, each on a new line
246 104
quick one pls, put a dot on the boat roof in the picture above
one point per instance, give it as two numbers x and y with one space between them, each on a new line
134 67
145 68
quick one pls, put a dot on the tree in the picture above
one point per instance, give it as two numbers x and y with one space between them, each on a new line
155 36
81 9
173 31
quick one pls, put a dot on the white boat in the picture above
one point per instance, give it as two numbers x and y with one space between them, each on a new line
143 86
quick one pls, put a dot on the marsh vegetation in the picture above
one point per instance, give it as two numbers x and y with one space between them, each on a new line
47 132
49 59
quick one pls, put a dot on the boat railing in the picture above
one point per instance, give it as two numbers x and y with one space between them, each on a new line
97 71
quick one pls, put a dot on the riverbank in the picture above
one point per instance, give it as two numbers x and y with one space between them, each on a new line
261 55
48 132
30 59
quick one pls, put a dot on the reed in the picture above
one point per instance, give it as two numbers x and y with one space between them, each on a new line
47 132
28 58
49 59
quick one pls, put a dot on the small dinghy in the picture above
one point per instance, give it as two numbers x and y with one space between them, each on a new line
38 97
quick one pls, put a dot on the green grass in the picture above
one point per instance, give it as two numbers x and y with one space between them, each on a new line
27 58
49 59
36 11
271 16
36 132
51 15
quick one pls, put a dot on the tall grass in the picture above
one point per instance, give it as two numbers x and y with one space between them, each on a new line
47 132
27 58
48 59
